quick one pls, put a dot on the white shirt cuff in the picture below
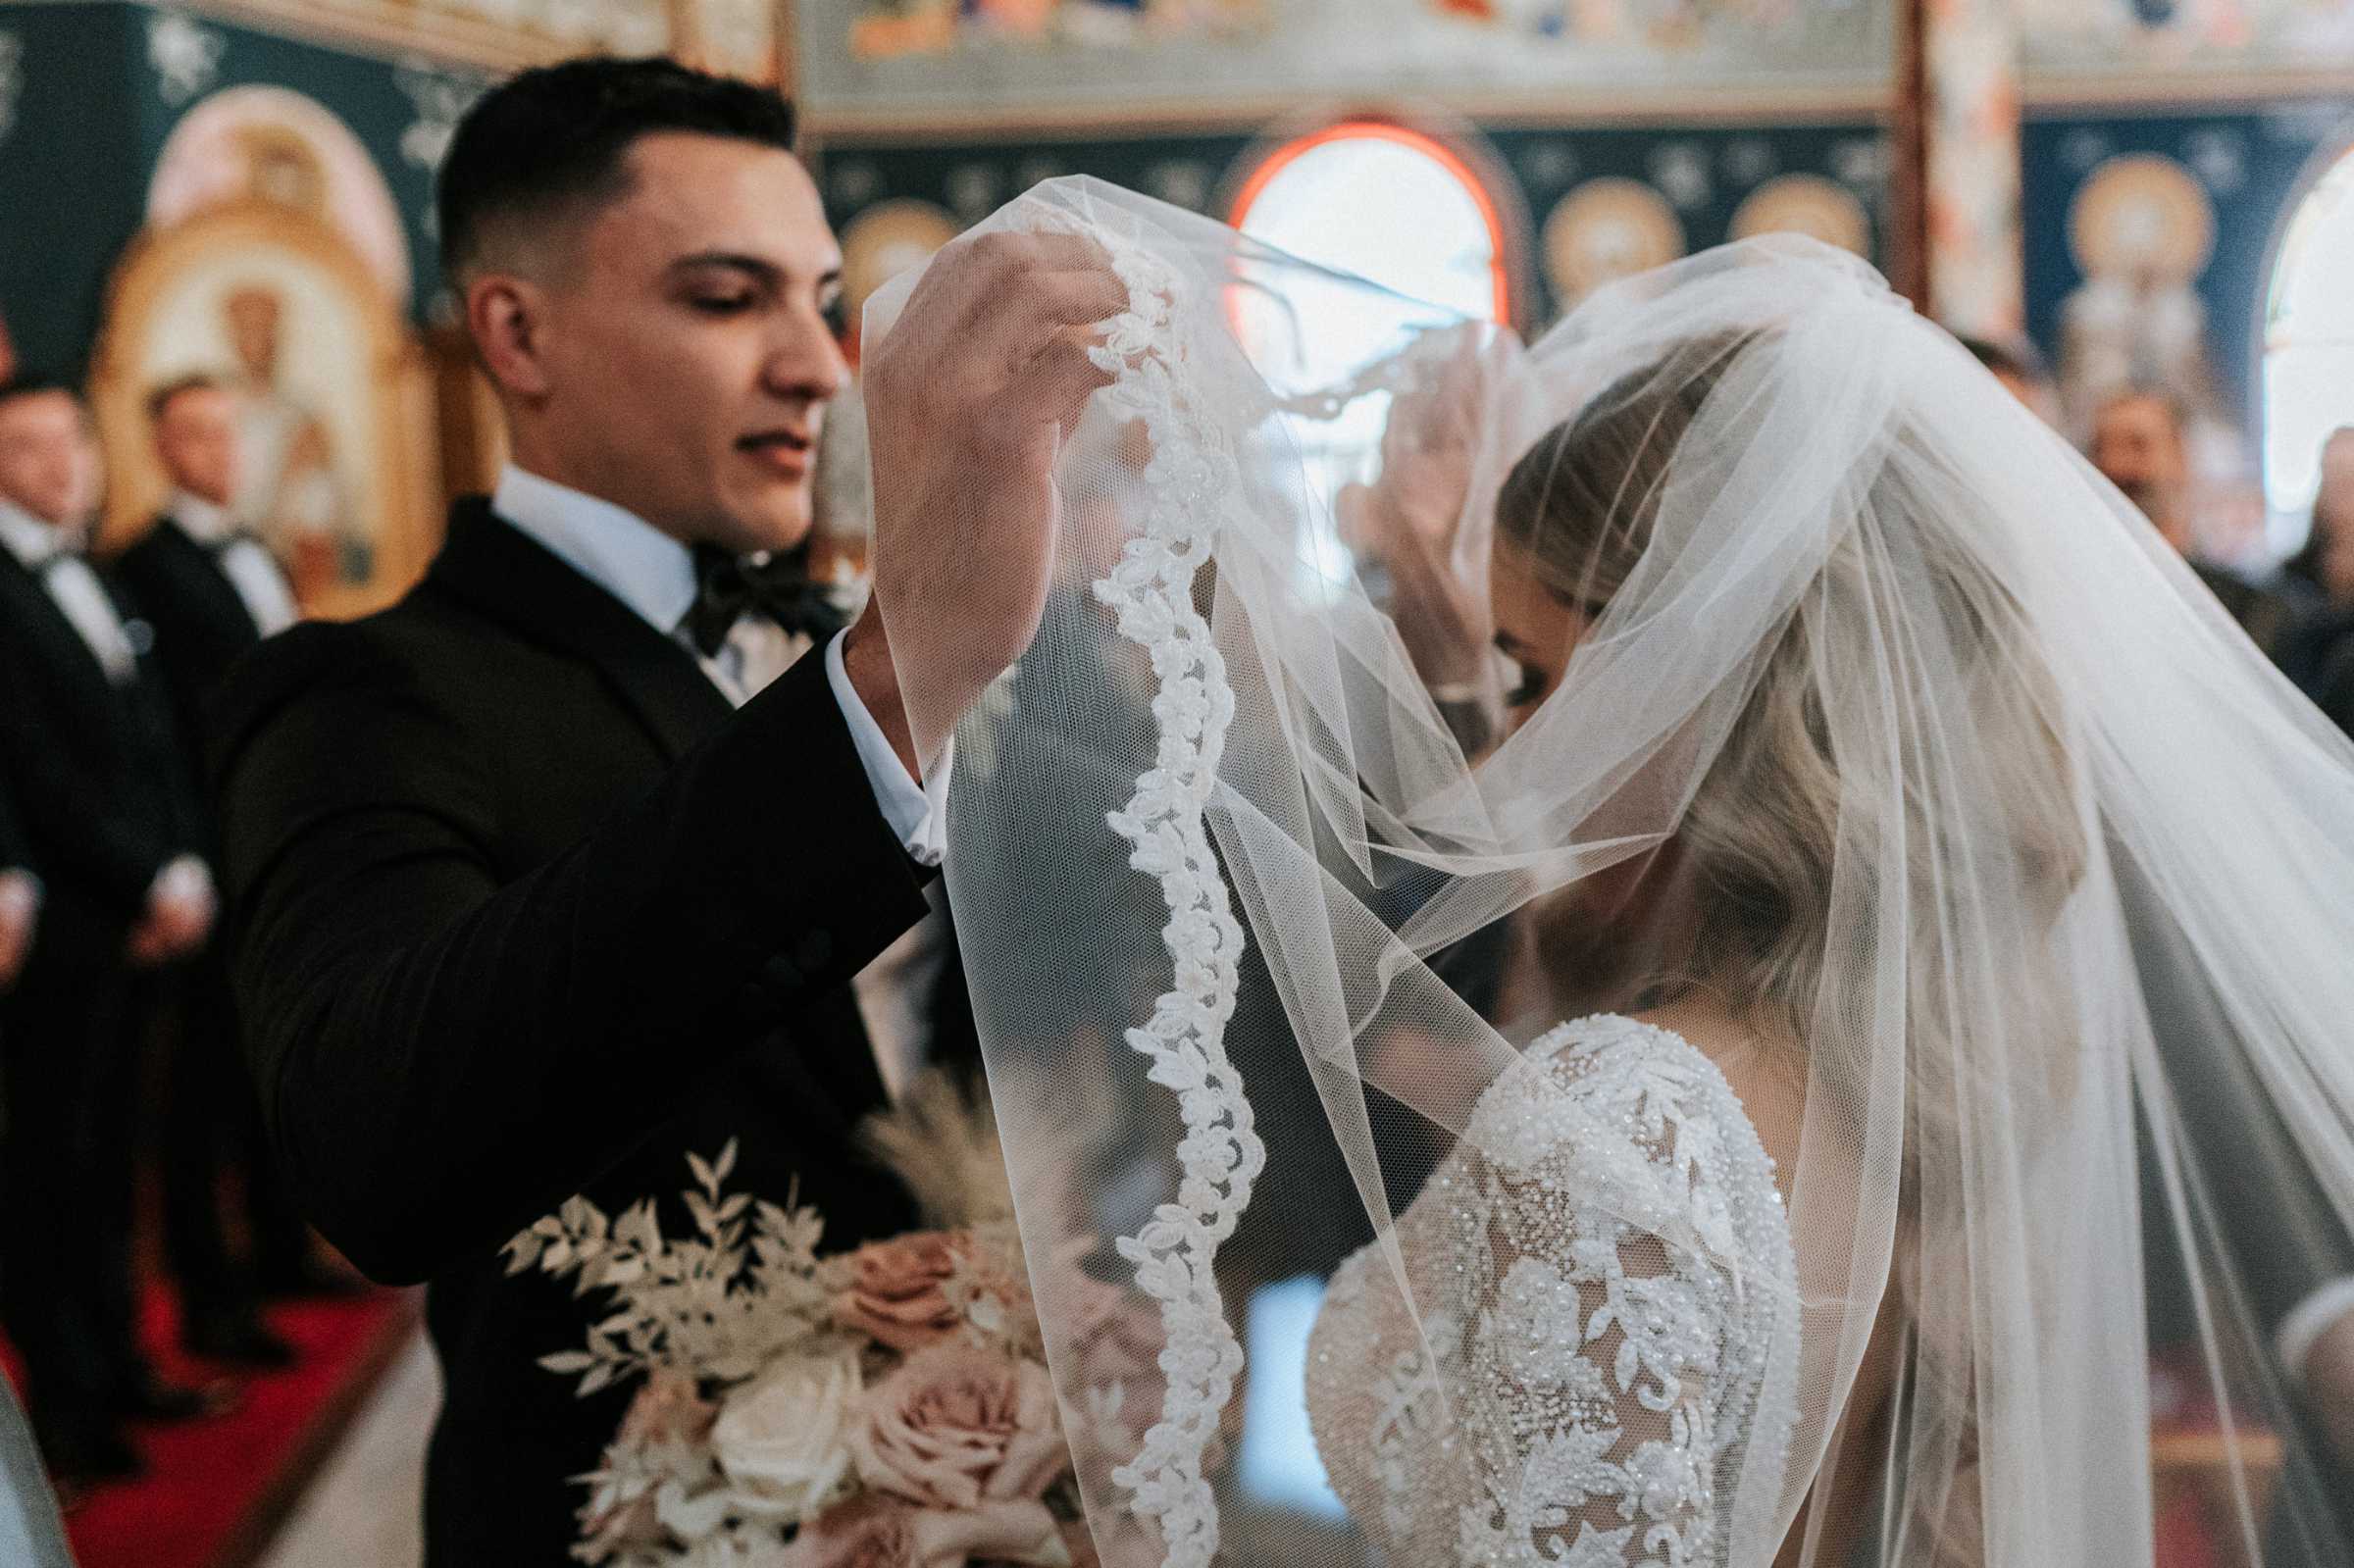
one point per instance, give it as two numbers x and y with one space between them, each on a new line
919 821
2294 1339
20 891
184 878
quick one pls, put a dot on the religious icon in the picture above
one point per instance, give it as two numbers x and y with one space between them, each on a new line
294 494
331 391
273 262
1604 230
2141 230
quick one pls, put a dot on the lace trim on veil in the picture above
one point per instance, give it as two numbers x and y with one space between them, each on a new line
1191 473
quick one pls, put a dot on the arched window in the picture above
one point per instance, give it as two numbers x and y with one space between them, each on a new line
2308 370
1387 203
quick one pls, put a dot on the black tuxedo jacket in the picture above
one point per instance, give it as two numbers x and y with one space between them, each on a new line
201 625
15 853
519 908
101 792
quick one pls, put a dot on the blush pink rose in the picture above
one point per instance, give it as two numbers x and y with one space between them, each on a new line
668 1408
955 1424
899 1291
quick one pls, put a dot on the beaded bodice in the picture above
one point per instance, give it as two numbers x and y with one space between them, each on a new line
1604 1275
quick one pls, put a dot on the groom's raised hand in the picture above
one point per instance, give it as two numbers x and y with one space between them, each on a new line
969 396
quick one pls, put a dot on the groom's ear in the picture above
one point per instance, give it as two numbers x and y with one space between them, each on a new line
507 316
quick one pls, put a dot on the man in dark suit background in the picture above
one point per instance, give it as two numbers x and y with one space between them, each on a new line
2141 444
547 876
107 816
211 592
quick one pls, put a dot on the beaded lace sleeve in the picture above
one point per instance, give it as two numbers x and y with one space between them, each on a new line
1628 1276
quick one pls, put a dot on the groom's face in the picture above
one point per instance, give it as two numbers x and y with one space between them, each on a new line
690 345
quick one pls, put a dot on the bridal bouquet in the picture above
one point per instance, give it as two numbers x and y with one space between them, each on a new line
886 1407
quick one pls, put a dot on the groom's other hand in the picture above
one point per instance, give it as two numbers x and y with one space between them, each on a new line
969 397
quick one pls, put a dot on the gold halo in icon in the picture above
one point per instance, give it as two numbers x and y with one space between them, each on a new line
1604 230
1809 205
2141 215
884 240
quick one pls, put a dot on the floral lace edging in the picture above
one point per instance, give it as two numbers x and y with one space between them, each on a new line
1189 472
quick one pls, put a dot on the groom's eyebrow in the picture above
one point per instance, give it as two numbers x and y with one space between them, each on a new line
759 268
767 273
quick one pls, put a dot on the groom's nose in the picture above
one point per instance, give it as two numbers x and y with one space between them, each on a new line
806 363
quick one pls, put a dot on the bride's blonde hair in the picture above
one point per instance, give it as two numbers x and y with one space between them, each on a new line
1774 817
1763 831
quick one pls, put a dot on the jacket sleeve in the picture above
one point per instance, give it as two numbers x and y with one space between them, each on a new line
441 1056
15 853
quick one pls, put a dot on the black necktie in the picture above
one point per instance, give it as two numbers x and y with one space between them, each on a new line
729 587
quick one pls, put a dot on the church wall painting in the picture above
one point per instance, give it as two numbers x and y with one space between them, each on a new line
273 262
1600 201
331 390
2144 41
2177 210
121 80
302 153
867 62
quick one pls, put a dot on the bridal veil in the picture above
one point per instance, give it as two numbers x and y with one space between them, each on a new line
2012 891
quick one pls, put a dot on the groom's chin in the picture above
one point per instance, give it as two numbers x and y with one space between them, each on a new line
779 517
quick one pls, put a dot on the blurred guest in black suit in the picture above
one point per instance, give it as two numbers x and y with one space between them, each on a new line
96 779
2139 444
211 591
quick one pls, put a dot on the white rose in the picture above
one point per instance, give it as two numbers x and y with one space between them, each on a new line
783 1437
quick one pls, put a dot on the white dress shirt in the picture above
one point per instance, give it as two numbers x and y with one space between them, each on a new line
74 589
249 567
653 574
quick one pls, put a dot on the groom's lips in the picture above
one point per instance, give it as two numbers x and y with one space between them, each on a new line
786 452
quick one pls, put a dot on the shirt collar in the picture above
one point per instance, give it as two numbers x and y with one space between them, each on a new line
202 520
614 548
27 538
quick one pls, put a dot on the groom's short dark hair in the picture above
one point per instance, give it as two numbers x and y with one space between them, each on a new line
554 138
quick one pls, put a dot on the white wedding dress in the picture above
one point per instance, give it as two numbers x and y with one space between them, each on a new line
1593 1376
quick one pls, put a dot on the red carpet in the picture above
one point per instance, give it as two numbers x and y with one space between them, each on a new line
216 1489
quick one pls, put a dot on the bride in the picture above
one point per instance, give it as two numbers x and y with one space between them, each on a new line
1954 1129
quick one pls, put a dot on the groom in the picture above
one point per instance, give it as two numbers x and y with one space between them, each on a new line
547 876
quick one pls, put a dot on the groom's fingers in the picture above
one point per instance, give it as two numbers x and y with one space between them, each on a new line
1038 313
1062 376
1068 278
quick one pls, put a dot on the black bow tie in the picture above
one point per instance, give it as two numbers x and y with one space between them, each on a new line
729 587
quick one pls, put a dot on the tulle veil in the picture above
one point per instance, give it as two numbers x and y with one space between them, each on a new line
1879 732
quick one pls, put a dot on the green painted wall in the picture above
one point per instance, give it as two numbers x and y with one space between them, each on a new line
91 118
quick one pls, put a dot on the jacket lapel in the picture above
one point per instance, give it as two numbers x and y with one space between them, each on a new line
503 573
182 554
508 577
44 618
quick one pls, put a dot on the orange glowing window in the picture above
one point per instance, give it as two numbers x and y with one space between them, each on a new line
1391 205
1388 203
